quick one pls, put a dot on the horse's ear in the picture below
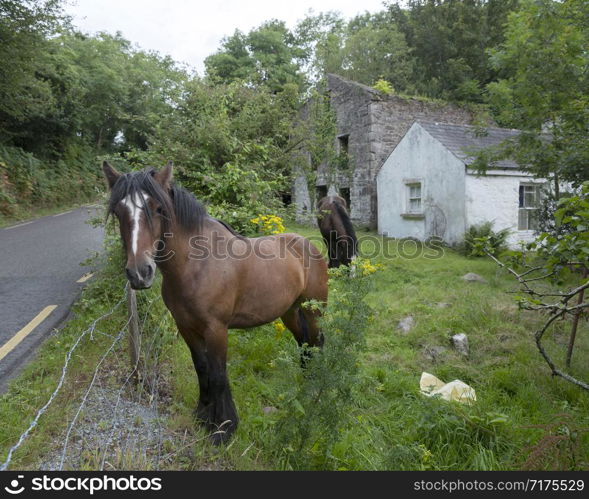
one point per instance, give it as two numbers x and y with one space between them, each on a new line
164 176
110 173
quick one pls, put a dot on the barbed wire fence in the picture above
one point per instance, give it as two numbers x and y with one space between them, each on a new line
117 422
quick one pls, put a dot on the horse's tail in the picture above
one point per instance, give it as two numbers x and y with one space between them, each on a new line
304 327
348 227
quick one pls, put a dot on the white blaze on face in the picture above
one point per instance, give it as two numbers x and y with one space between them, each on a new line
135 206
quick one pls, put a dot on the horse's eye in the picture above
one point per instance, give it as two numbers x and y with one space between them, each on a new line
159 210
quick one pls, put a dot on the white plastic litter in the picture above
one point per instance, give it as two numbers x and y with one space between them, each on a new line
455 390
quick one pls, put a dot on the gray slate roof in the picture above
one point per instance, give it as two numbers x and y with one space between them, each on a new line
461 139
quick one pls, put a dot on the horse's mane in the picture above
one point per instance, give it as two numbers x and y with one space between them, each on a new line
229 228
347 223
178 205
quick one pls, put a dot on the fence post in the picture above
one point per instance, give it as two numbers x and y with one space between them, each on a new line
133 334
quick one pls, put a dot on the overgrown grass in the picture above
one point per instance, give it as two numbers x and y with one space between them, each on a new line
392 426
387 423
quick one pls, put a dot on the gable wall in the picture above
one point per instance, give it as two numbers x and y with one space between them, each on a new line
420 157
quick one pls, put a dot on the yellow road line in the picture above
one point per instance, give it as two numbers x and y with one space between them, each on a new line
19 225
64 213
85 277
13 342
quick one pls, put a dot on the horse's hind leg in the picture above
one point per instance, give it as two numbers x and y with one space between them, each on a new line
302 324
334 260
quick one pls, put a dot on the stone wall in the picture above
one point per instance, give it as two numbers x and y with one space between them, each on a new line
353 106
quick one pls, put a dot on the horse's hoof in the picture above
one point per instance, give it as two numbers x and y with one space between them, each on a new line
202 414
219 438
222 434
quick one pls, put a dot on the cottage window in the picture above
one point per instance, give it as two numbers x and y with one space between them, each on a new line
414 198
529 198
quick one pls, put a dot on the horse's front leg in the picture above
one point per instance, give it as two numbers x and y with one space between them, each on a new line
199 359
215 405
223 418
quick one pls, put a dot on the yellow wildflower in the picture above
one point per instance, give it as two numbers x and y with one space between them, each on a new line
364 267
279 327
269 224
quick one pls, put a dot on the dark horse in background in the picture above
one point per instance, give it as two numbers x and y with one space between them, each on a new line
213 278
337 230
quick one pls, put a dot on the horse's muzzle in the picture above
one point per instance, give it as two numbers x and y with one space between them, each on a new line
141 277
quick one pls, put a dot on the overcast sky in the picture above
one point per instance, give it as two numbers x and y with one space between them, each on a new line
189 30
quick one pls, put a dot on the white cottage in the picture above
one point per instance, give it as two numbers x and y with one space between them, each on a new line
425 187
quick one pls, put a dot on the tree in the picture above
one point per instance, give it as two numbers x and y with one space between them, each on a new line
321 36
97 91
267 56
449 40
24 29
545 92
368 47
561 259
153 86
375 48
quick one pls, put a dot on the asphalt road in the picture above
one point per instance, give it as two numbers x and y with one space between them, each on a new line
40 264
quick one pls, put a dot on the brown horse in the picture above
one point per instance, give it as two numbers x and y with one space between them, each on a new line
337 230
213 278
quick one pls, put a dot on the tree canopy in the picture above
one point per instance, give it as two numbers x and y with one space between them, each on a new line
61 89
267 55
544 88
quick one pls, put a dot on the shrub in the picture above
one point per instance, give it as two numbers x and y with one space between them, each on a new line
479 238
235 194
230 146
383 86
317 401
268 224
